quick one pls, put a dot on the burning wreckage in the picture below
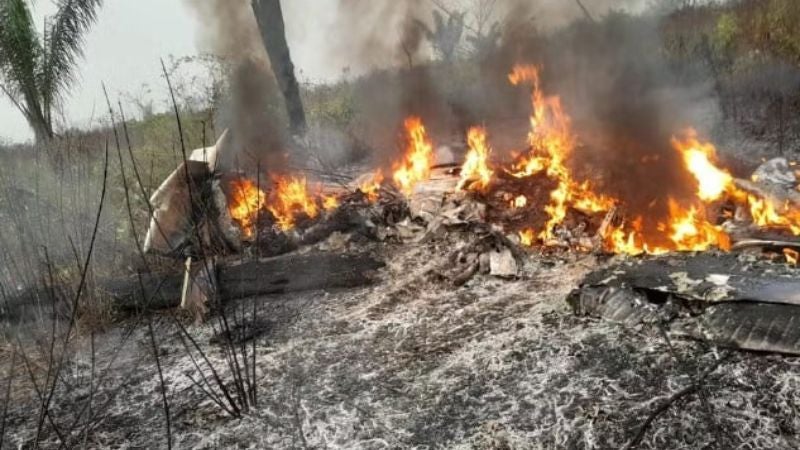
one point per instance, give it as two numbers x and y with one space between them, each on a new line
713 258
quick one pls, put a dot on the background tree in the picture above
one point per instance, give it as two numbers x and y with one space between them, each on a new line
446 34
37 70
269 16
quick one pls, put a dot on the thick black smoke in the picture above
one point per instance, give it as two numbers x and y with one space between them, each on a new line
627 104
258 137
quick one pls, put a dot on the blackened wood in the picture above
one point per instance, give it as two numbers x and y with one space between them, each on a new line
295 273
269 16
286 273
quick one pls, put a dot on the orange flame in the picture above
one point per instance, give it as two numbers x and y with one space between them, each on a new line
247 200
552 142
527 237
700 160
330 202
765 214
691 232
372 188
630 240
419 158
290 199
713 183
475 173
792 256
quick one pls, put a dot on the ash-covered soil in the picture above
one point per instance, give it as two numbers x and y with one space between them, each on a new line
413 362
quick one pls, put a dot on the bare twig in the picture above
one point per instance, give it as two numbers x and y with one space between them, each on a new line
154 348
7 396
693 388
76 298
236 357
585 11
91 389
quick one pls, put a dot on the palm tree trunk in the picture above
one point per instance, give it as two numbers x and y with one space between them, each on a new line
40 123
42 127
273 32
41 131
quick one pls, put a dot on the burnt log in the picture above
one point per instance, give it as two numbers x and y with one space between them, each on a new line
235 280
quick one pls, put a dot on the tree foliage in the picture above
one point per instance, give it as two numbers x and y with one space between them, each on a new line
446 33
37 69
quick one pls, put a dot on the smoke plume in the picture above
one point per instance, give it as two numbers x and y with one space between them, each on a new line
231 33
626 105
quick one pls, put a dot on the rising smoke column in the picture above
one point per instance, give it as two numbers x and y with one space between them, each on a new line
231 33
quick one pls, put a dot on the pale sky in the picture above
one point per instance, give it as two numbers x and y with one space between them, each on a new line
123 50
125 45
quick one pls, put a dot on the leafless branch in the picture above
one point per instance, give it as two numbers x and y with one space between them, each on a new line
585 11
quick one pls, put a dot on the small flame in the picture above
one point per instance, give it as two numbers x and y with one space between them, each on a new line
290 199
700 159
475 173
527 237
372 188
687 231
630 240
552 142
691 232
419 158
765 214
519 202
792 256
247 200
330 202
714 182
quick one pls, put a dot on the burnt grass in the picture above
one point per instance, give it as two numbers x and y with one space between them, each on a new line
412 362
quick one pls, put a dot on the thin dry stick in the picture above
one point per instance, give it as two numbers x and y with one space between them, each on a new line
51 351
585 11
145 194
91 389
232 357
122 171
185 333
664 407
37 390
81 285
144 259
9 379
111 396
154 347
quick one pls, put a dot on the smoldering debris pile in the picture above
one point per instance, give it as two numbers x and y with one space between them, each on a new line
303 238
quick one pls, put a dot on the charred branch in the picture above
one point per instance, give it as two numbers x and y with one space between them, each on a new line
269 16
235 280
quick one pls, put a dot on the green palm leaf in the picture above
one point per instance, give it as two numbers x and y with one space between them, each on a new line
20 54
37 71
63 43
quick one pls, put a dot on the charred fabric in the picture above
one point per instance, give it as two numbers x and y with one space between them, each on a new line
712 256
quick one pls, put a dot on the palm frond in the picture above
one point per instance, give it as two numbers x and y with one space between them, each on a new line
20 54
63 44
